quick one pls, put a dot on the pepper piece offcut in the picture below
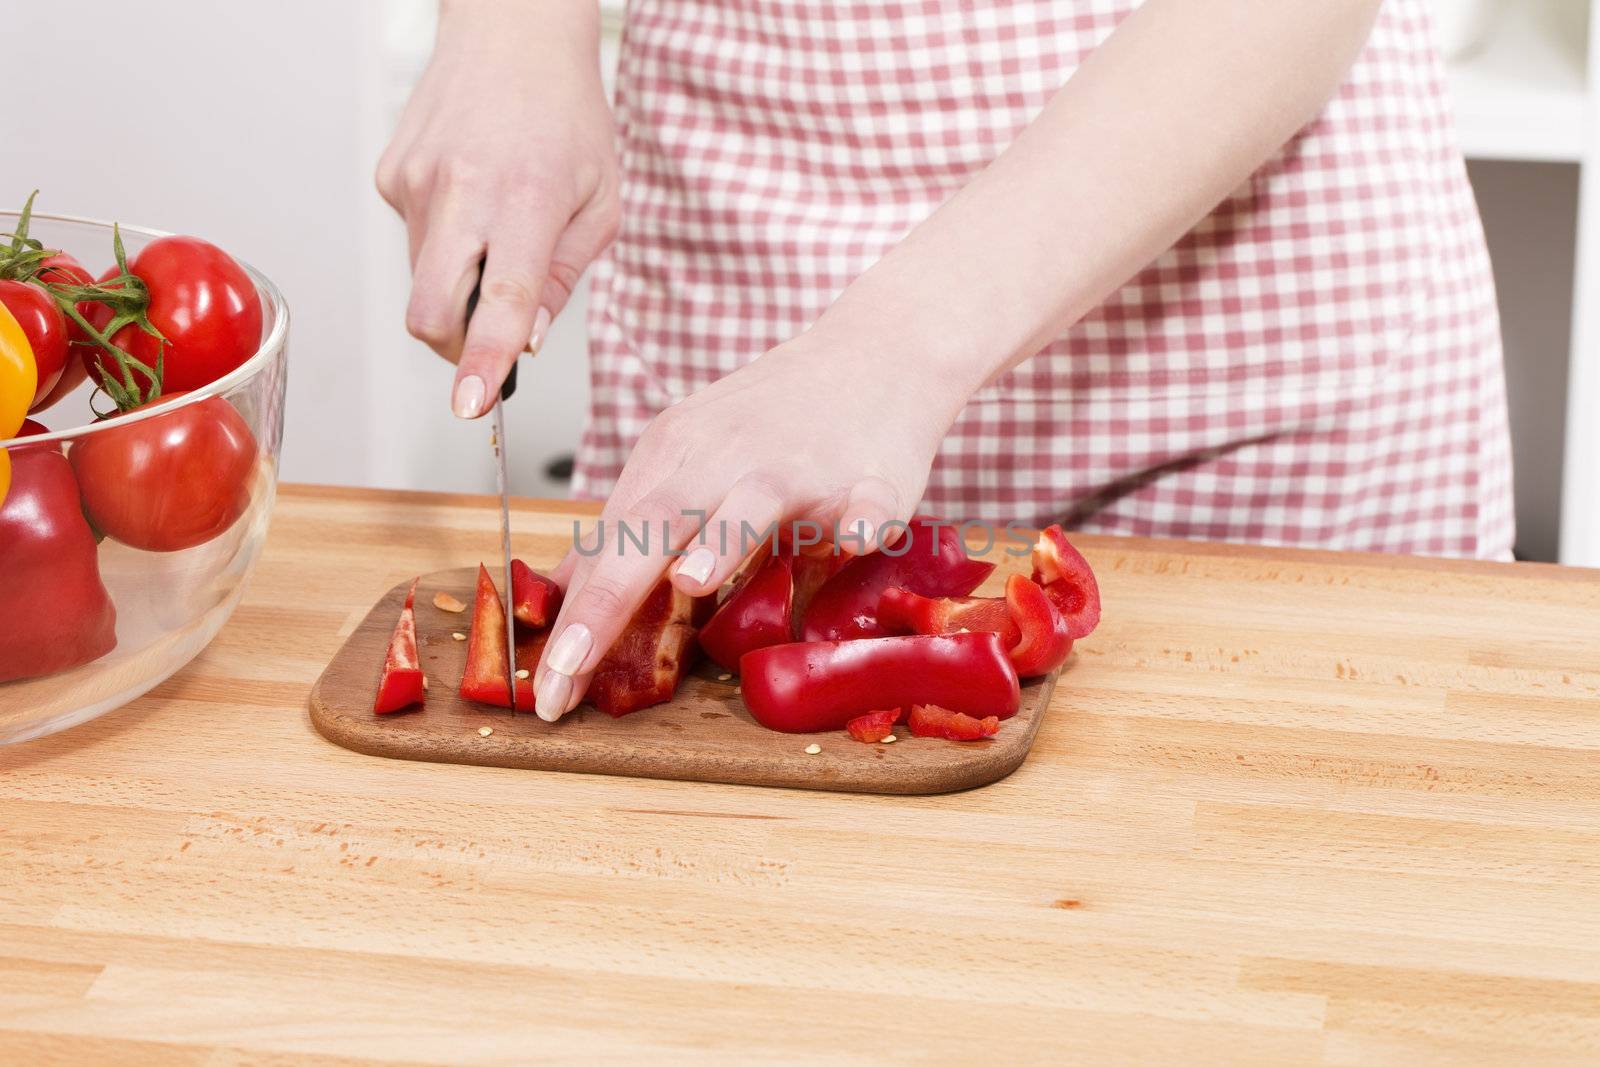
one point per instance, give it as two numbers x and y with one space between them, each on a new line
401 683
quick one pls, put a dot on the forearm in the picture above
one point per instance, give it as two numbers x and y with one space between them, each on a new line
1175 110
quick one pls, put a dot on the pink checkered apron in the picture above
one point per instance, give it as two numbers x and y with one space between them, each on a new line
1317 363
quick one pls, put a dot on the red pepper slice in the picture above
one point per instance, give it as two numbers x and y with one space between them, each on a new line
756 614
874 726
1025 618
930 560
485 679
655 652
812 566
535 599
903 611
810 686
1068 581
930 720
401 683
1045 641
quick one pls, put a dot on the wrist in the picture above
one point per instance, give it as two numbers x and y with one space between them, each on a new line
907 343
871 354
545 20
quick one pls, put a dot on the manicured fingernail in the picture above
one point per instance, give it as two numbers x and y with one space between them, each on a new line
566 655
861 534
550 702
468 401
541 326
697 565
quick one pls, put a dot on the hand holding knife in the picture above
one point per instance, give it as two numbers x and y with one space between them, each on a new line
502 483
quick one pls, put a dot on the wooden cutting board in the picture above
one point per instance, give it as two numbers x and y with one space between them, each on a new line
705 734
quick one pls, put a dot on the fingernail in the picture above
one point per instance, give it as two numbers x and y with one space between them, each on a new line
550 702
697 565
541 326
468 401
566 655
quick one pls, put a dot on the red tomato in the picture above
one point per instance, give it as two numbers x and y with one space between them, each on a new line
169 482
63 269
45 328
205 306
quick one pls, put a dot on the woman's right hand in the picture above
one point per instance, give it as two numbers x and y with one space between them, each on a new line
505 158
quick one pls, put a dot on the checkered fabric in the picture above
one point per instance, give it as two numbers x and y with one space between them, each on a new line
1317 363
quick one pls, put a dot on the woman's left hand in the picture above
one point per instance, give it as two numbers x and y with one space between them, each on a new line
811 431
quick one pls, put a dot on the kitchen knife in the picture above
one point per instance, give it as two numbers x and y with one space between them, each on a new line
497 441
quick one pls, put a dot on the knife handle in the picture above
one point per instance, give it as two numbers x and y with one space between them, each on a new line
508 386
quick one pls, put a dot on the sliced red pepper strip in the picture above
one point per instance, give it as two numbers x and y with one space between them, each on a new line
653 655
930 560
902 611
874 726
1026 619
1068 580
401 683
1043 642
756 614
535 599
485 679
930 720
810 686
811 568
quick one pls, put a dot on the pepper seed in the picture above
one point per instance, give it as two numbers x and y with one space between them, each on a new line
485 731
812 750
459 636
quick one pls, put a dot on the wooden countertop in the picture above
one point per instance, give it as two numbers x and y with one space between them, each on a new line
1287 807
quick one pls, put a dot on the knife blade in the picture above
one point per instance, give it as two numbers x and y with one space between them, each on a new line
502 483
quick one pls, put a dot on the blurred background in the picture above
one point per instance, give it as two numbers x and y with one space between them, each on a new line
258 126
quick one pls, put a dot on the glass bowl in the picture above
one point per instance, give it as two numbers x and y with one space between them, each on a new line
57 660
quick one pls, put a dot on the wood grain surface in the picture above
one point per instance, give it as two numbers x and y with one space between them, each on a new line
1286 807
705 734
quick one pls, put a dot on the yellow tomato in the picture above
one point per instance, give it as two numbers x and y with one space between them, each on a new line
19 376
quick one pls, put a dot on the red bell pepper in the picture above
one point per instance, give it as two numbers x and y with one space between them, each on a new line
812 566
1067 580
55 613
930 720
1032 629
756 614
874 726
809 686
655 652
401 684
485 679
930 560
535 599
902 611
1044 642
